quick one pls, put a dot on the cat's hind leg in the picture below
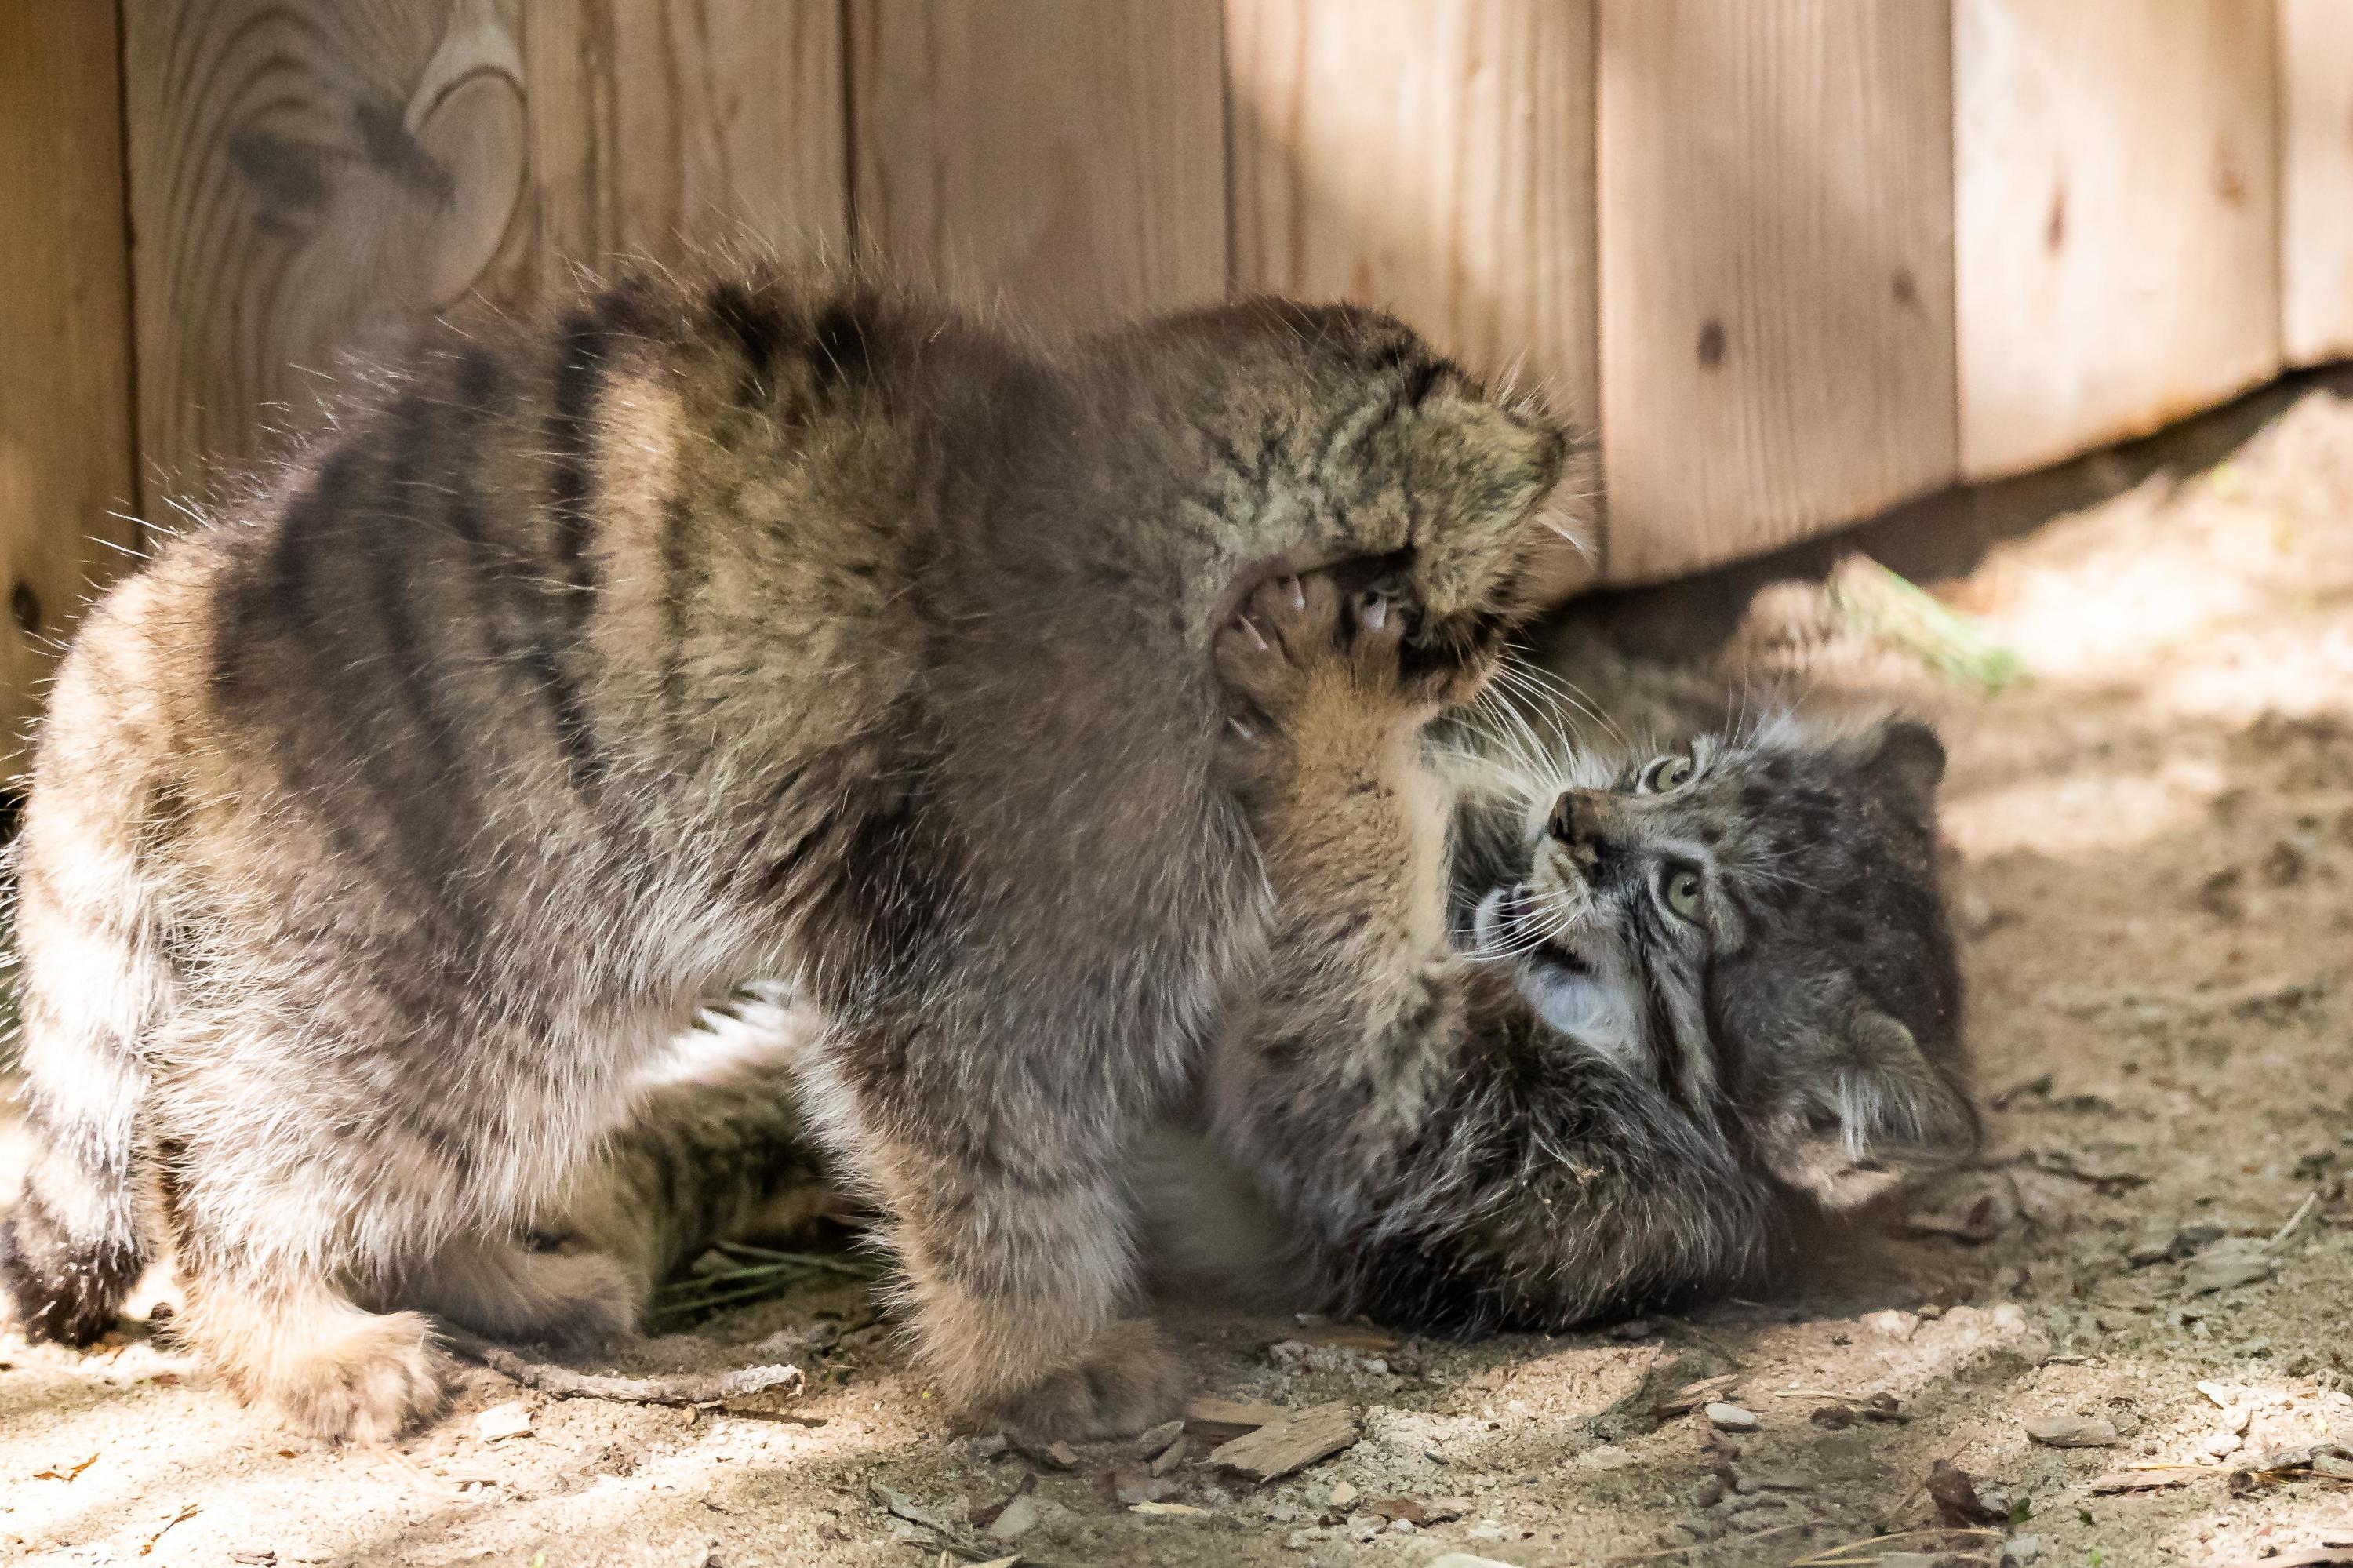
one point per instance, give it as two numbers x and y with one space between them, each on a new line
301 1347
509 1289
1016 1278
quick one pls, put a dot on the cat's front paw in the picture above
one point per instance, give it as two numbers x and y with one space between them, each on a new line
1304 643
1307 663
1268 655
368 1384
1127 1380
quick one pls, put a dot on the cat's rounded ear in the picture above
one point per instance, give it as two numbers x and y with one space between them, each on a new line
1863 1111
1910 757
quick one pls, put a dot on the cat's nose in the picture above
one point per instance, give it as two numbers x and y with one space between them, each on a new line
1562 824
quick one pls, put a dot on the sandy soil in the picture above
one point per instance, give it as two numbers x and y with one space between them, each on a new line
2155 871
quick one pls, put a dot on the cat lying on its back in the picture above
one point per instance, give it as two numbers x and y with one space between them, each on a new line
1694 989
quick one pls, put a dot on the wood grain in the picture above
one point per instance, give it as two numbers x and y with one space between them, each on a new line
1294 1443
308 181
660 129
1063 157
2117 260
2315 74
1776 273
1434 157
65 474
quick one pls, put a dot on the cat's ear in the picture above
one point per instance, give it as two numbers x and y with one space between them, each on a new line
1908 756
1864 1111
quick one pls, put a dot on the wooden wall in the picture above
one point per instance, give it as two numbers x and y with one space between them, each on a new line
1791 261
66 447
2118 218
1777 269
2316 149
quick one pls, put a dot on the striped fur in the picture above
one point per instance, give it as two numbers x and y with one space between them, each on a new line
384 833
1585 1112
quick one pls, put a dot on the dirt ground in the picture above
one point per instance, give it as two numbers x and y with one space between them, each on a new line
2154 839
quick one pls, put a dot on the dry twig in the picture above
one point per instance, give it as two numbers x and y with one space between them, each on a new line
679 1388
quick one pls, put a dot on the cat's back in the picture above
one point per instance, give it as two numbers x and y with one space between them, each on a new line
566 549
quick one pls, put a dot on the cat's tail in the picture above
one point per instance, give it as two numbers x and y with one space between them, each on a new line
93 980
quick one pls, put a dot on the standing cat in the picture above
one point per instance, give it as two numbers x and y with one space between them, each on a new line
379 834
1695 988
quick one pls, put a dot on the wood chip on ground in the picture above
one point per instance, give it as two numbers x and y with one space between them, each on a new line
1294 1443
1222 1420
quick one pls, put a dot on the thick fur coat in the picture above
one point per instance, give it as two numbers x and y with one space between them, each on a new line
383 834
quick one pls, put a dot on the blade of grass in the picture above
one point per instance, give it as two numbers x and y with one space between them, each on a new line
1879 602
811 1259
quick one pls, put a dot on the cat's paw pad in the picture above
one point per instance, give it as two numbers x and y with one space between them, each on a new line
1127 1380
367 1384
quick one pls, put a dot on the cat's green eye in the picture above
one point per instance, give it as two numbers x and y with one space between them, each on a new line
1666 773
1681 888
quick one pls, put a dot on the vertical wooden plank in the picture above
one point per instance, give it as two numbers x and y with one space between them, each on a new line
307 180
2315 74
1434 157
311 179
660 129
1067 157
65 335
1776 217
2117 208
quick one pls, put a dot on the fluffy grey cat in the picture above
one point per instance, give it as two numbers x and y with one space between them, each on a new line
382 835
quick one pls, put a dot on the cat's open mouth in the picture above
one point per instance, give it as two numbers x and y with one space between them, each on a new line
1511 919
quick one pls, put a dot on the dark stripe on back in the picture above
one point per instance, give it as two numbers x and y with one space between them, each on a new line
271 595
757 329
489 569
579 376
840 349
587 344
676 584
391 540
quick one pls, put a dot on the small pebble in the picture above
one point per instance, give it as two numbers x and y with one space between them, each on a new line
2070 1431
1729 1417
1154 1441
1893 1324
1020 1516
501 1422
